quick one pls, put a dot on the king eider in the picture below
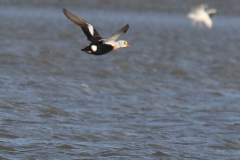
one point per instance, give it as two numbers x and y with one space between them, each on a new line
98 45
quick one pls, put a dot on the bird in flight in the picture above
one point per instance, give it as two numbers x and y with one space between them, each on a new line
200 15
98 45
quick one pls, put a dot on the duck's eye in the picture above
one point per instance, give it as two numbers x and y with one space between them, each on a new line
126 42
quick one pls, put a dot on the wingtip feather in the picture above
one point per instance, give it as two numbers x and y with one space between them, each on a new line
64 11
126 28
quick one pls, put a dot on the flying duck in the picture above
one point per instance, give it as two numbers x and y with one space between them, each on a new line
199 14
98 45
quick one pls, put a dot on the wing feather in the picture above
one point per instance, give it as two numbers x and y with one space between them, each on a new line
87 28
211 12
116 35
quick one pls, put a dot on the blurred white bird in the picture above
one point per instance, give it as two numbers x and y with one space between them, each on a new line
200 15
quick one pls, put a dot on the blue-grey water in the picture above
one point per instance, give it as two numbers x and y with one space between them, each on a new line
174 94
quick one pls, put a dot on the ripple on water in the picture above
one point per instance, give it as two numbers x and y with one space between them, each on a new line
160 154
174 94
6 148
65 146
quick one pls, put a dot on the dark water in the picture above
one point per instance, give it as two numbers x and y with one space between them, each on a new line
174 94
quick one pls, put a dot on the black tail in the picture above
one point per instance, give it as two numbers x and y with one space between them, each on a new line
88 48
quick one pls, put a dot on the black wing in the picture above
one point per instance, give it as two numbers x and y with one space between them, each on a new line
87 28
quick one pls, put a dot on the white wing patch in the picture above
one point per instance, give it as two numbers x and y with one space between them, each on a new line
94 48
103 40
91 29
112 43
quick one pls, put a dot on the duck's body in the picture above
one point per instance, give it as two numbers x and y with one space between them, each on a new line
98 45
200 15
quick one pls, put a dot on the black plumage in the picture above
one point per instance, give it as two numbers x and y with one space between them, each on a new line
98 45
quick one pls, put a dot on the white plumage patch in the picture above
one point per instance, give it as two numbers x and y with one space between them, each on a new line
112 43
91 29
94 48
101 40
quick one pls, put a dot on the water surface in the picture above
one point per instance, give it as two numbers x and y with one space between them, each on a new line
174 94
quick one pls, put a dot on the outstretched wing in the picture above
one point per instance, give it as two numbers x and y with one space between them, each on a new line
199 8
116 35
87 28
211 12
